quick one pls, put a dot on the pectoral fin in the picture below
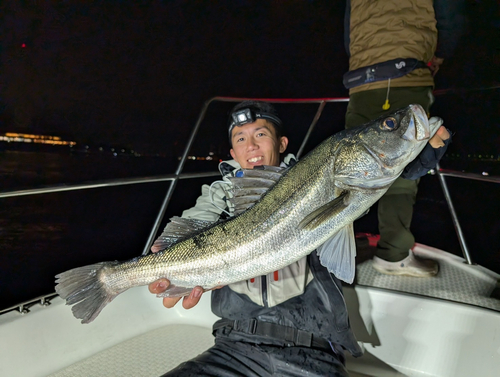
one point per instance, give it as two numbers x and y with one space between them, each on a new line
324 213
338 254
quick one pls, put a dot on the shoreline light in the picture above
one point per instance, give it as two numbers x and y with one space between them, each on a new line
31 138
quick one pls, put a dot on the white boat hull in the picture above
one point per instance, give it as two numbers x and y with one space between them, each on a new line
409 335
402 334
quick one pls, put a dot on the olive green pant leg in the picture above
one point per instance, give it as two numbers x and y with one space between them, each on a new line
395 208
395 213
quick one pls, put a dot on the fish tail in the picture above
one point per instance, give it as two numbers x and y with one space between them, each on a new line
84 287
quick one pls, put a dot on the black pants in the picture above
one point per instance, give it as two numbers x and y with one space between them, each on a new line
234 358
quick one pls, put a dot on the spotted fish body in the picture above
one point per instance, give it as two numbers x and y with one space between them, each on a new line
312 204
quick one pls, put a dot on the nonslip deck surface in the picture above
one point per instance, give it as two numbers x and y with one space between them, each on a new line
456 281
151 354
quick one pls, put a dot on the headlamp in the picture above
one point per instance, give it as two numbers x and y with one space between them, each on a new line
249 115
243 116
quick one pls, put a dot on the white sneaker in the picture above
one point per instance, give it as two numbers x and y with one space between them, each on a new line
410 266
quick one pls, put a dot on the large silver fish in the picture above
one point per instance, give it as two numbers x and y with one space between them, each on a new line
313 203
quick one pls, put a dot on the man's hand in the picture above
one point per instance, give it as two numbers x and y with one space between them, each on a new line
188 302
161 285
437 140
434 65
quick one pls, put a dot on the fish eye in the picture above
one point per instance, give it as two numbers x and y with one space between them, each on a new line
388 124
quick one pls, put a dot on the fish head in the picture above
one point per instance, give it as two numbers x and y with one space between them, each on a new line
375 154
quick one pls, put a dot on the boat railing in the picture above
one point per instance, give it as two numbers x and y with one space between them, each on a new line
178 175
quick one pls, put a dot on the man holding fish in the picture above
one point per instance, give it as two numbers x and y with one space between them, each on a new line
289 322
280 257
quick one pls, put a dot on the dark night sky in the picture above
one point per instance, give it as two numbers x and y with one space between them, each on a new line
137 72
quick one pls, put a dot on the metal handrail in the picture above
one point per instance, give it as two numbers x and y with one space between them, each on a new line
107 183
473 176
454 217
456 223
173 178
24 307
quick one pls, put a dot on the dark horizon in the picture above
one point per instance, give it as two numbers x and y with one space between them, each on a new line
137 74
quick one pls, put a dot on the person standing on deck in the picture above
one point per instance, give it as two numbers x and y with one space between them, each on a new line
395 48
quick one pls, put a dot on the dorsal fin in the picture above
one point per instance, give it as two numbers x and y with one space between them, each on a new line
178 229
250 185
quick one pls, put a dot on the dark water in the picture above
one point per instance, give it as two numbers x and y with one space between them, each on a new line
42 235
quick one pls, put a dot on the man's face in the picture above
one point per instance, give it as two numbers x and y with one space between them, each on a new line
256 144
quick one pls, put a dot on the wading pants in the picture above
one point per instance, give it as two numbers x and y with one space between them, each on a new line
395 208
229 358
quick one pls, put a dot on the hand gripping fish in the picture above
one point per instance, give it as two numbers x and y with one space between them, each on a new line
310 206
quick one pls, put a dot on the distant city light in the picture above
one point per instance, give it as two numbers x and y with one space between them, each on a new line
31 138
197 158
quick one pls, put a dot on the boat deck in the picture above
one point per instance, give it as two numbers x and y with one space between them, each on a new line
456 280
145 355
150 354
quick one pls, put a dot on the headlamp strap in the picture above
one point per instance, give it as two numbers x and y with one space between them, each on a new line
247 115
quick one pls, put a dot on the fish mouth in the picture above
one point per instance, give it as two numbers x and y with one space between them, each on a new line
418 126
